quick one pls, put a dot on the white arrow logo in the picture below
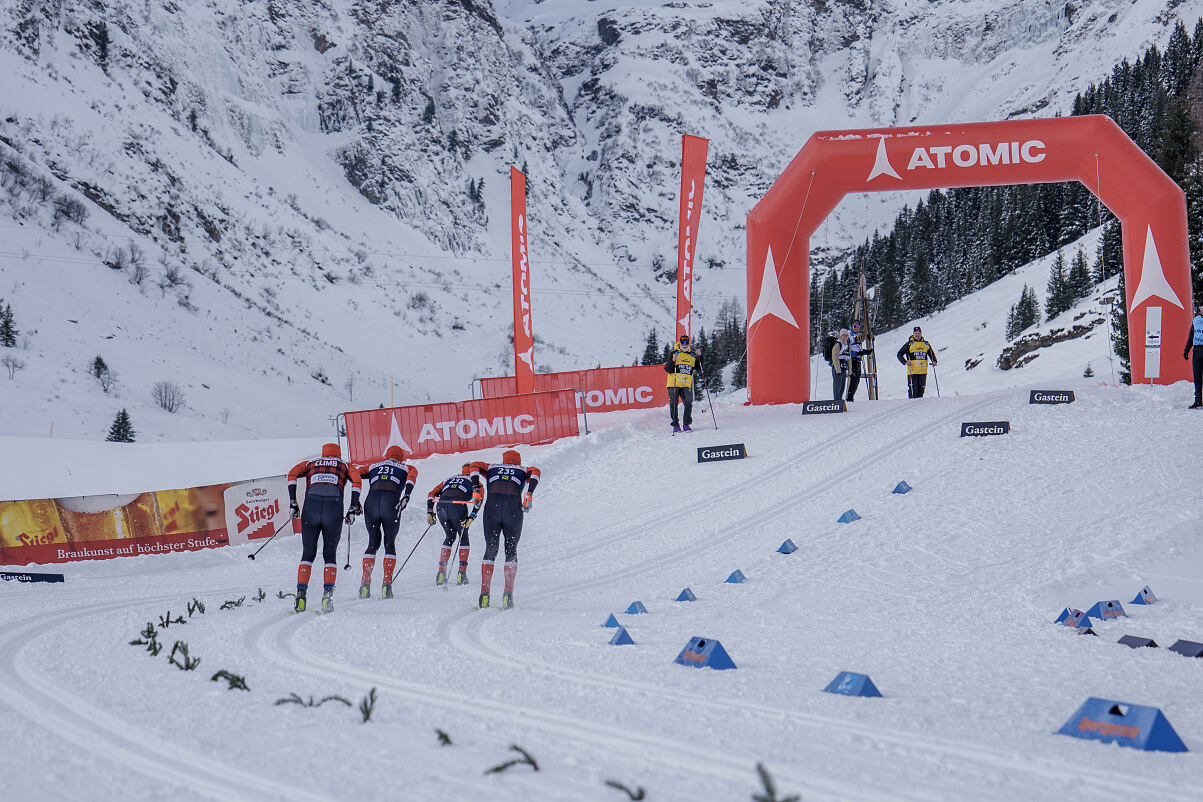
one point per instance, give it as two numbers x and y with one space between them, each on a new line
527 356
394 436
770 302
881 164
684 323
1152 282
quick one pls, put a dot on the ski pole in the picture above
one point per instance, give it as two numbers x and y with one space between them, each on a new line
270 539
937 378
710 404
347 567
411 553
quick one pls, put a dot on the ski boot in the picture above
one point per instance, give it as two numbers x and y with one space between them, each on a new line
461 578
484 600
441 577
365 591
676 429
507 601
386 591
300 605
328 600
686 428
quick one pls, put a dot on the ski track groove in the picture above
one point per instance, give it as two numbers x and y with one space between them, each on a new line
465 634
74 720
274 640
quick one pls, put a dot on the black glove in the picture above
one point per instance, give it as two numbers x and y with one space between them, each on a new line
1186 354
431 518
294 510
355 508
404 502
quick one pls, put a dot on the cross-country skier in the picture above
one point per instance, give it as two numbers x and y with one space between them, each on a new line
510 487
325 478
682 365
453 496
916 353
390 482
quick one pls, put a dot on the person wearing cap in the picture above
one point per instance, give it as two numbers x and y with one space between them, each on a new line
510 488
1194 339
682 365
390 483
325 478
915 353
857 347
453 495
839 357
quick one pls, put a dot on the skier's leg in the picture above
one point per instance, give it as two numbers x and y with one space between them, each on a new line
672 407
332 529
451 524
513 533
309 534
494 510
687 397
371 520
920 384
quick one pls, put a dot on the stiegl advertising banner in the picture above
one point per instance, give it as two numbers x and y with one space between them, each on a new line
133 524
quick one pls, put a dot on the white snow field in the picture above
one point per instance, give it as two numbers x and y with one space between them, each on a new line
944 596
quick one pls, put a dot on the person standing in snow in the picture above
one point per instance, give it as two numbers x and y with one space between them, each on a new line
1194 339
858 347
453 496
682 365
390 482
839 357
325 478
510 487
915 354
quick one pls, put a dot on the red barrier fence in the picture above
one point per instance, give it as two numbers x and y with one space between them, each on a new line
456 426
605 389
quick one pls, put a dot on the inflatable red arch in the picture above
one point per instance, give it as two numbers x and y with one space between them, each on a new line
1092 149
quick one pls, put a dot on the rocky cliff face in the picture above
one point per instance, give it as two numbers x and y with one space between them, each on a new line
310 170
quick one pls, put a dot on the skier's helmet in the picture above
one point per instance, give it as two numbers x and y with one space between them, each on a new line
332 450
684 341
511 457
467 468
395 453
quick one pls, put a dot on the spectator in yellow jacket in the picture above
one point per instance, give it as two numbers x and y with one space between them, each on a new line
682 366
915 354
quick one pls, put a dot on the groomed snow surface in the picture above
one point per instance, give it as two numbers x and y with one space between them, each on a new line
944 596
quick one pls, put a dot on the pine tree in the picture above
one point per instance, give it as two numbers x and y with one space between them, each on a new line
8 327
1119 332
739 379
122 431
99 367
651 351
1058 294
1080 283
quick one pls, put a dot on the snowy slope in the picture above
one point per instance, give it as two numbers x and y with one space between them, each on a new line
944 596
970 335
299 177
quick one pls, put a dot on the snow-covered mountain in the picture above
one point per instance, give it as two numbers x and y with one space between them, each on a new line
282 207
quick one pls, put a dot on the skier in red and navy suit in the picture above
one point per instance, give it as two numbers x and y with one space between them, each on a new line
325 478
390 482
453 495
510 487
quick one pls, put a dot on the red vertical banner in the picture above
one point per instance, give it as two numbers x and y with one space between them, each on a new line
693 178
524 341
